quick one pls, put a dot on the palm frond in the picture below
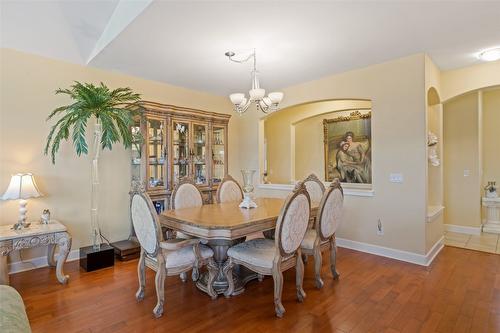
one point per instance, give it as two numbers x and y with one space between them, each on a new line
114 109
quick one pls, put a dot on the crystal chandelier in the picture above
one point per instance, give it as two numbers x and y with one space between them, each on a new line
257 95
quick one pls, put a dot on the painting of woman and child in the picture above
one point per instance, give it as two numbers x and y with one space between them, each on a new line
348 148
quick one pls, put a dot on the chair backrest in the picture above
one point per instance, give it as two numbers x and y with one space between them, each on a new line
229 190
330 210
315 187
186 195
292 222
145 221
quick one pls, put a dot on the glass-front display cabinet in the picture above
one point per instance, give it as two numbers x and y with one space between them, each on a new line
170 143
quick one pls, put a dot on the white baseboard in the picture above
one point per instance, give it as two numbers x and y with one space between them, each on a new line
463 229
33 263
414 258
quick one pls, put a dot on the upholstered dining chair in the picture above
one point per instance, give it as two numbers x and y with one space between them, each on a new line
315 187
322 237
272 257
185 195
229 190
167 258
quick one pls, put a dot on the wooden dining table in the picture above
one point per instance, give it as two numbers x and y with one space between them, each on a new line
223 225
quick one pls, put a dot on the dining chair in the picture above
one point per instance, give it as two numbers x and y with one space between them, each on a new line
272 257
315 187
229 190
167 258
186 195
322 237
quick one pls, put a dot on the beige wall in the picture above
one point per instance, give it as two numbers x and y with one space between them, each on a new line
396 89
299 130
463 80
491 136
27 90
462 152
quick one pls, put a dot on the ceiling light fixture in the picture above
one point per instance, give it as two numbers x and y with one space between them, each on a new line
257 95
490 54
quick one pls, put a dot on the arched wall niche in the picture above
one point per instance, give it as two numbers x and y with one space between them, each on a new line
293 138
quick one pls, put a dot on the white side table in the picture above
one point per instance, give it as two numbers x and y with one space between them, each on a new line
492 222
37 234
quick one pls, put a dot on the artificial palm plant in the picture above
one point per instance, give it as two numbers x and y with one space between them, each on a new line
113 111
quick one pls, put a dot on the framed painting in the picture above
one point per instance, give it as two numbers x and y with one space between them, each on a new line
347 144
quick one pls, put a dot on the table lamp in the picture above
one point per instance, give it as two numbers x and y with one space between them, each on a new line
22 186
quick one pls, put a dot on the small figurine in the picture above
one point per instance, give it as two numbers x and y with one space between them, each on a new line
45 218
491 190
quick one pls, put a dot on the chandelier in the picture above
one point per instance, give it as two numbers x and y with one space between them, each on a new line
257 95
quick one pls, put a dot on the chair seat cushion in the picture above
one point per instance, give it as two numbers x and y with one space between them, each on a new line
257 252
185 256
308 241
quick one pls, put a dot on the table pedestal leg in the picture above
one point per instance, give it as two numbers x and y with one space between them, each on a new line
241 275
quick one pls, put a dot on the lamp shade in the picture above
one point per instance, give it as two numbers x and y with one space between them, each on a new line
237 98
257 94
276 97
21 186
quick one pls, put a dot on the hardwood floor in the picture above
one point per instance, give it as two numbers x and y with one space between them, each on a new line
460 292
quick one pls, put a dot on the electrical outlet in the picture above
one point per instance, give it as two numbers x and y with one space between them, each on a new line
396 177
380 228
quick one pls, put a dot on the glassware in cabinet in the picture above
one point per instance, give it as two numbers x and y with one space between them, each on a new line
156 170
180 150
218 154
199 152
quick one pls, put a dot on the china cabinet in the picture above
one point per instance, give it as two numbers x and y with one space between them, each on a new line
172 142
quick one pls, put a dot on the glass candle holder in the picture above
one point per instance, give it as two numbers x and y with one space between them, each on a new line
248 189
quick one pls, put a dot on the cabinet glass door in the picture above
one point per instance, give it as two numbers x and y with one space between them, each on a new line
137 143
199 153
156 152
218 154
180 150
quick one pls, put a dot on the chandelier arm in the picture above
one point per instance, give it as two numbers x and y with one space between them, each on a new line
252 55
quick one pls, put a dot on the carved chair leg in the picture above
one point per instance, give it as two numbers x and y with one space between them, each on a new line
183 276
317 265
161 272
195 275
333 258
304 258
227 270
299 277
278 290
213 270
141 272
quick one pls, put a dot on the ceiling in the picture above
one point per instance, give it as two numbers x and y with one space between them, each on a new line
183 42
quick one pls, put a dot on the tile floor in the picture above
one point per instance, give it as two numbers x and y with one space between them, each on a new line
484 242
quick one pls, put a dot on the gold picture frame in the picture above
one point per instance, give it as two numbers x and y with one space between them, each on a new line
347 148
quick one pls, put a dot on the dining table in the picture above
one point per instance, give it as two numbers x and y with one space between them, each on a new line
222 225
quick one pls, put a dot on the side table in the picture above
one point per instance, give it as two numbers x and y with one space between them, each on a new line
50 235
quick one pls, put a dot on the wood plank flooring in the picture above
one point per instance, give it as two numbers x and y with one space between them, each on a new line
460 292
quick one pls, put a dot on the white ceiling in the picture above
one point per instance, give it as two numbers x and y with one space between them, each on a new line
183 42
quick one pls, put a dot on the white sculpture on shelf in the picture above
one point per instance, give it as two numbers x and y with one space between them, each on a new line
432 141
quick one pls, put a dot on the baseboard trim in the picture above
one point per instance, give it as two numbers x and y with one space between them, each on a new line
411 257
463 229
38 262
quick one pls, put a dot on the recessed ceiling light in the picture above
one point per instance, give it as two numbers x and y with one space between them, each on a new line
490 54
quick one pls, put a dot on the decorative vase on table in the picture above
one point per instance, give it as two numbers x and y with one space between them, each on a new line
248 189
